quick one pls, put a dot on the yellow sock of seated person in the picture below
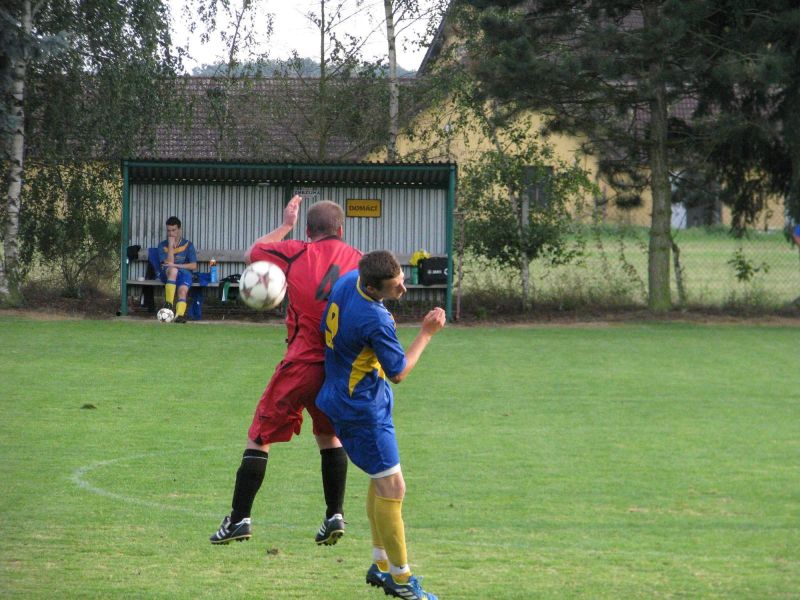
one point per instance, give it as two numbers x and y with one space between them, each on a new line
169 291
180 308
391 530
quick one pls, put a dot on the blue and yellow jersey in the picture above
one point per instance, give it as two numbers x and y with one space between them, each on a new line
361 350
184 252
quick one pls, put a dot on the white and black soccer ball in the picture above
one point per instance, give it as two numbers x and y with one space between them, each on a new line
262 285
165 315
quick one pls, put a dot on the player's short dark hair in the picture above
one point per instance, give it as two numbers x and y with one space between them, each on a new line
376 267
324 218
174 221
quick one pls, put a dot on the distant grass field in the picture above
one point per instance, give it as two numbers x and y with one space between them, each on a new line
629 461
612 270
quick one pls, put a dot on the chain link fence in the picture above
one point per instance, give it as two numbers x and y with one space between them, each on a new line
710 268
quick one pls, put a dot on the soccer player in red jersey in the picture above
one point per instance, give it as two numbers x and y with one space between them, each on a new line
311 269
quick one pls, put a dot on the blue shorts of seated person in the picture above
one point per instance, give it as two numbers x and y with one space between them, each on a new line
184 277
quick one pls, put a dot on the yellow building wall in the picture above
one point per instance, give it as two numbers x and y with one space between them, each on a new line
464 144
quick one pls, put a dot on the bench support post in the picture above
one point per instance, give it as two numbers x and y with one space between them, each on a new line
123 250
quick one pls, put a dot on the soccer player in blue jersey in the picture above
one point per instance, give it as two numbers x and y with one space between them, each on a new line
362 352
178 259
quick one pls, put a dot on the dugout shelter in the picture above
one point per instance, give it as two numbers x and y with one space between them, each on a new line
225 206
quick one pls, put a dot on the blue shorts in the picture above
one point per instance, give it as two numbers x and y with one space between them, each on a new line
184 277
372 448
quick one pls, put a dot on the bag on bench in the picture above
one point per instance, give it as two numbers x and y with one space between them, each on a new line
433 271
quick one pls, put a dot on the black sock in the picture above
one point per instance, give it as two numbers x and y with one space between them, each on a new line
248 481
334 478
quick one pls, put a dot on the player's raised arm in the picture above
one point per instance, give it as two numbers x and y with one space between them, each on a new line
432 323
276 235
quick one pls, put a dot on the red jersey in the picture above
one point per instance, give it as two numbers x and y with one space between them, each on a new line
311 269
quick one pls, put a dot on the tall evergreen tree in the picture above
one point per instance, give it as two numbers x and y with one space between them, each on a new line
747 125
610 72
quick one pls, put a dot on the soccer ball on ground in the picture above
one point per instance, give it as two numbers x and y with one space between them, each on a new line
262 285
165 315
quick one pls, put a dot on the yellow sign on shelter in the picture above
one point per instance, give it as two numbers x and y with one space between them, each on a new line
356 207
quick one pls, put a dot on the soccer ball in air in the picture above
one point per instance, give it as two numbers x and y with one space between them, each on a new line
262 285
165 315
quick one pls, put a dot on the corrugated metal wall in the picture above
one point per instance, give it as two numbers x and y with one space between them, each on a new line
410 218
213 216
228 217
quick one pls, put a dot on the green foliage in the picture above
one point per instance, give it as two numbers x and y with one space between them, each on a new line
651 88
333 109
514 201
629 283
745 269
73 227
592 68
17 44
610 274
102 97
747 126
97 99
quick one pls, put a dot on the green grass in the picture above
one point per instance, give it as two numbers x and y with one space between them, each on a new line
631 461
612 270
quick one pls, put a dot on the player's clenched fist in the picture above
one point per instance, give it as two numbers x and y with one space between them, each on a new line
434 320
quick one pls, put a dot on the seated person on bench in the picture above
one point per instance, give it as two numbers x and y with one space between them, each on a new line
178 259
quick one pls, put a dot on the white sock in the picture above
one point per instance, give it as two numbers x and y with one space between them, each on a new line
379 554
402 570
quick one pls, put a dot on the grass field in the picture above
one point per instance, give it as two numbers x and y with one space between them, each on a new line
621 462
612 270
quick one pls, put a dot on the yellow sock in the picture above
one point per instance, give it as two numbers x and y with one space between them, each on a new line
169 291
376 538
377 545
180 308
391 530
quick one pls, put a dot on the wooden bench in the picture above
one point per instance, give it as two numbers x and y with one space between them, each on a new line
141 290
229 262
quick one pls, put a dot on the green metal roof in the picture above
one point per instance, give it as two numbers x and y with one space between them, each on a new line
428 175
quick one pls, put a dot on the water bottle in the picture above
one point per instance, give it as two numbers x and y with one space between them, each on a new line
213 264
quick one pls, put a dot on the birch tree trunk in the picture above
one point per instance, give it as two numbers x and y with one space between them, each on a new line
15 154
318 118
521 212
394 84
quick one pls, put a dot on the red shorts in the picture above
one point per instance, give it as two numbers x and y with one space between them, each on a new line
279 414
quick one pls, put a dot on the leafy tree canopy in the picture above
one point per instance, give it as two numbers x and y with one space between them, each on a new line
97 98
84 85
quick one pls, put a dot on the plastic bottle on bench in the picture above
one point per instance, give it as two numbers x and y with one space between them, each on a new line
213 268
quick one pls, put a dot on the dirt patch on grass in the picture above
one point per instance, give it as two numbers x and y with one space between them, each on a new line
789 317
67 308
41 303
